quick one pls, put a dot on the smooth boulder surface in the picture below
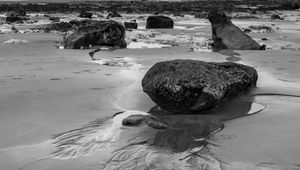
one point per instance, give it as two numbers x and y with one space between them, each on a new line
104 33
191 86
155 22
228 36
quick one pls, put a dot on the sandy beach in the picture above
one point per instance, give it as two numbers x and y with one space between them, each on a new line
51 96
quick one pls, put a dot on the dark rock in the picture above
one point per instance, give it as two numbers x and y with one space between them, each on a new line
131 25
275 16
14 29
11 19
190 86
154 22
85 15
19 13
106 33
133 120
54 19
228 36
114 14
261 28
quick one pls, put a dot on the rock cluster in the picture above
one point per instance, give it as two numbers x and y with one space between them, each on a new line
190 86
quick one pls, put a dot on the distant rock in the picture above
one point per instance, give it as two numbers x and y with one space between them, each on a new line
85 14
275 16
54 19
201 15
17 19
19 13
228 36
106 33
154 22
114 14
191 86
259 29
131 25
61 26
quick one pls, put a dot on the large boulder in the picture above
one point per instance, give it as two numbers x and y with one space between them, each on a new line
190 86
228 36
154 22
106 33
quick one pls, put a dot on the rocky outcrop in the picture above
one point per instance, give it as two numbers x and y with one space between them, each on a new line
131 25
191 86
154 22
228 36
106 33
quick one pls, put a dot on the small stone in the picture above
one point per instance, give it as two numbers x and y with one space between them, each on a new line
133 120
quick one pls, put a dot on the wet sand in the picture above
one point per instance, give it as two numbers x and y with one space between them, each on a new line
57 107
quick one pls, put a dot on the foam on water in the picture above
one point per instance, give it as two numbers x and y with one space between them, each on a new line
137 45
15 41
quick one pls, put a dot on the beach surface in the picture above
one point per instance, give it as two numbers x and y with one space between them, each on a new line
57 106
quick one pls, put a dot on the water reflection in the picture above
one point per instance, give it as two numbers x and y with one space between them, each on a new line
180 146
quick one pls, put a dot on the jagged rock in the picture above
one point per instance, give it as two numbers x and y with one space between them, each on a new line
85 15
154 22
228 36
131 25
191 86
107 33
